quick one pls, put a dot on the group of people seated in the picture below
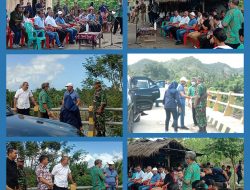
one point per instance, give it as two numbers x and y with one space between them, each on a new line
208 30
57 22
192 176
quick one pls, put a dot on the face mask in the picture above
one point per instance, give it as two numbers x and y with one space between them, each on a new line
193 83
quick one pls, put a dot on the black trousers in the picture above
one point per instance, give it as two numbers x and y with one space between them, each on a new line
44 115
23 111
173 30
59 188
118 20
62 35
194 115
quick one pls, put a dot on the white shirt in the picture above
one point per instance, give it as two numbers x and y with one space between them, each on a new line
23 98
176 19
223 47
60 174
147 176
163 175
139 175
50 21
26 19
184 20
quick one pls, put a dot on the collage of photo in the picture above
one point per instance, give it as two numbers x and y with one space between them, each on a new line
133 95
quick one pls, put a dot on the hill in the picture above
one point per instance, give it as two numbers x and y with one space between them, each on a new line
188 67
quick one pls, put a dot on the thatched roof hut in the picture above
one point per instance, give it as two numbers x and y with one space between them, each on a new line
162 152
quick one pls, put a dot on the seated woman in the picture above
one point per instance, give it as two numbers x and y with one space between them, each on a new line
219 38
70 113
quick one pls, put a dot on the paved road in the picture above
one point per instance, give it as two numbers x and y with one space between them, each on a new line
154 122
161 42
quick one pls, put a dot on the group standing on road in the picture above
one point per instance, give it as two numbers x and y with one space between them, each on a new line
175 102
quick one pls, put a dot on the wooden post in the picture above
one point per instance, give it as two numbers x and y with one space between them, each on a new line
229 110
209 96
218 99
91 131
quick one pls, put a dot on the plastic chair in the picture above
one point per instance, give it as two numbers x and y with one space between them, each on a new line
9 37
164 23
33 36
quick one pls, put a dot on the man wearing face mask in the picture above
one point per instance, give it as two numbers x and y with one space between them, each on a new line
191 93
182 96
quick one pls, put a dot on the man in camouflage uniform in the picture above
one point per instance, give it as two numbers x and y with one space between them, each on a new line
21 174
99 103
200 105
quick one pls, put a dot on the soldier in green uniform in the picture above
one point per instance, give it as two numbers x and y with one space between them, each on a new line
200 105
97 176
45 103
22 181
99 103
192 172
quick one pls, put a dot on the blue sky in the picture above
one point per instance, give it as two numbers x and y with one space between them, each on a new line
104 150
54 68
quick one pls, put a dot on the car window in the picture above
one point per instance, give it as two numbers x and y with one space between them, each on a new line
142 84
160 84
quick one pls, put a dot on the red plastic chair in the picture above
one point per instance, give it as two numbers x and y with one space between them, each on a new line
9 37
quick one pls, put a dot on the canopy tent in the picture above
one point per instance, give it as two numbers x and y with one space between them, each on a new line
166 152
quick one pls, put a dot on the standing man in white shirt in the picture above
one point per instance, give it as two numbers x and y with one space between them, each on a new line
22 99
62 173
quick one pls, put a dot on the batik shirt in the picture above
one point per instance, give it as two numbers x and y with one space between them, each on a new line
43 171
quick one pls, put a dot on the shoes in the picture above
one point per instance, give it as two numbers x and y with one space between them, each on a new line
61 47
15 46
72 42
184 127
143 113
178 42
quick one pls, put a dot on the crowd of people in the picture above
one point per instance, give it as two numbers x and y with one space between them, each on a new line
58 178
70 111
175 102
59 21
208 30
188 176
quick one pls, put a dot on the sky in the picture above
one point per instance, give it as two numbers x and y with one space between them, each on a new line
233 60
58 69
103 150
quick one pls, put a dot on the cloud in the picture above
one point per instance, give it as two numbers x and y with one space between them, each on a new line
41 68
105 157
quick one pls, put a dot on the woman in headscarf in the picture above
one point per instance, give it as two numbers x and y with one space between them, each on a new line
171 101
70 113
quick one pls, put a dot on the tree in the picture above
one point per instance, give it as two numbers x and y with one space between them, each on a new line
156 72
228 147
105 67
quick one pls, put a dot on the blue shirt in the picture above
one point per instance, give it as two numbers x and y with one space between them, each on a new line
180 89
91 17
74 95
39 22
155 178
111 175
192 22
60 20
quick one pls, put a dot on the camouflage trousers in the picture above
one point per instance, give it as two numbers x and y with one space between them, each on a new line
201 117
100 124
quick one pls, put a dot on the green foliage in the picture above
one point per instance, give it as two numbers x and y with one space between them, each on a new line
218 75
85 3
105 67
